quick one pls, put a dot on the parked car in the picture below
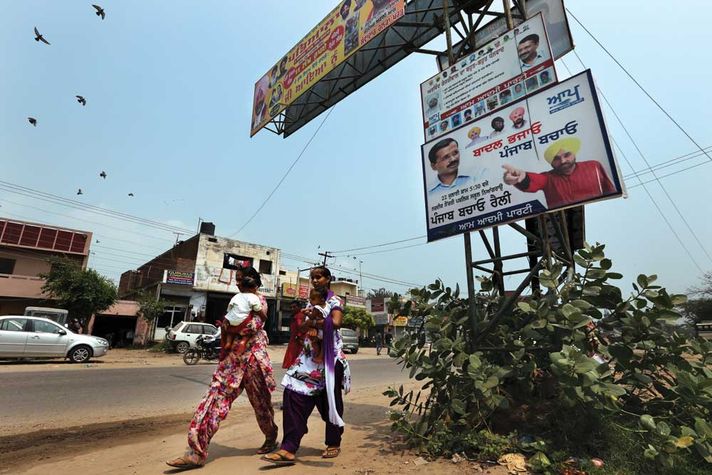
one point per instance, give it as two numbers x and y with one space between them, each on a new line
23 336
349 339
184 335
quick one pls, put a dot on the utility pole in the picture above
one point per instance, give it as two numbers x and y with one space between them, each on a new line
326 255
360 274
178 235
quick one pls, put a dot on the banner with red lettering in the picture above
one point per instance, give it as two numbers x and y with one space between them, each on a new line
547 152
348 27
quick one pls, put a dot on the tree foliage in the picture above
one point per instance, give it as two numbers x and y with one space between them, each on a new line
83 292
555 354
356 318
382 292
149 307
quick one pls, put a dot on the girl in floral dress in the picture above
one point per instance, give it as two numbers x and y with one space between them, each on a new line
309 384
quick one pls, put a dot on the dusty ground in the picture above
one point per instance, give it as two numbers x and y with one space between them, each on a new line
141 447
121 358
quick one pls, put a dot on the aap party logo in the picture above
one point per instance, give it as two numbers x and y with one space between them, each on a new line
564 99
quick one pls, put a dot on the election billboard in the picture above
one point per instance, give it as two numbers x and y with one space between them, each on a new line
548 152
345 29
513 66
557 27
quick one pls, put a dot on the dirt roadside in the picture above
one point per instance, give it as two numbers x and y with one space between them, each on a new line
122 358
141 446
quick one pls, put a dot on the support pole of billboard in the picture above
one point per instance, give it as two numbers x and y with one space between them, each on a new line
508 14
472 304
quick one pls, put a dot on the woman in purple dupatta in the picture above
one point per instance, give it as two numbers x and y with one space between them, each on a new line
308 384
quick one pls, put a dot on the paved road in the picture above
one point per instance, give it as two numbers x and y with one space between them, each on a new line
36 400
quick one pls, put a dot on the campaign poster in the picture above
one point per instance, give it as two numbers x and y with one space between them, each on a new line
544 153
349 26
515 65
557 27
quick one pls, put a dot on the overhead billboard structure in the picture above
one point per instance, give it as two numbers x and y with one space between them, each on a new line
557 27
348 27
548 152
421 22
508 68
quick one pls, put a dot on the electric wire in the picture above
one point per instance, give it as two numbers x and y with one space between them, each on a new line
274 190
677 124
647 163
379 245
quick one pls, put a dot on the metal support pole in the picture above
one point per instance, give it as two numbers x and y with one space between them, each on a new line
448 36
472 303
508 14
498 266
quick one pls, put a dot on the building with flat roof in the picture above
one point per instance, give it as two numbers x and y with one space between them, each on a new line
25 252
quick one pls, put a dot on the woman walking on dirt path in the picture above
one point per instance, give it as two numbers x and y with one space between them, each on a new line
308 384
250 371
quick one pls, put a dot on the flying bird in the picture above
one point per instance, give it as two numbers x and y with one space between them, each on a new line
32 121
130 194
79 191
99 11
103 174
81 100
39 37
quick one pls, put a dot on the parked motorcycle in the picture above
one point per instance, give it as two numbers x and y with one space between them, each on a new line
207 348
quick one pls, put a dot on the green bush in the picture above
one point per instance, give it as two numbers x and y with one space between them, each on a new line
553 365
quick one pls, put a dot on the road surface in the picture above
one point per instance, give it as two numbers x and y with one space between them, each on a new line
38 400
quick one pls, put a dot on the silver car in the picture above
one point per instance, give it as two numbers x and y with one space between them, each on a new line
35 337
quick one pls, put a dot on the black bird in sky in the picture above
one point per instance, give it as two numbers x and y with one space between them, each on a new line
81 100
103 174
32 121
130 194
99 11
39 37
79 191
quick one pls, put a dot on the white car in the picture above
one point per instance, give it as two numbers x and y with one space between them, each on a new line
34 337
183 335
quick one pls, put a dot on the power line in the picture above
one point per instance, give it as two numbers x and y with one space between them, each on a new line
380 245
49 197
647 163
285 174
639 86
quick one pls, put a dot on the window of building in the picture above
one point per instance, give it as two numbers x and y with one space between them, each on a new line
7 266
265 267
234 261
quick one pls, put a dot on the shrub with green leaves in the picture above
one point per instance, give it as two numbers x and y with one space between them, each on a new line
554 362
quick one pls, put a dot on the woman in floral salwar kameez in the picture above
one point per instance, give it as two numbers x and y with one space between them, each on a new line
308 384
250 371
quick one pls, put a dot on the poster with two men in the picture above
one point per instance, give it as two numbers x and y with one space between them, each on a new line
546 152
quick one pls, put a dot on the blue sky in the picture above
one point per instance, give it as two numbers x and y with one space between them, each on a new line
169 90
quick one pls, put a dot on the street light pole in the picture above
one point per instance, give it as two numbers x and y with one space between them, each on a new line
360 273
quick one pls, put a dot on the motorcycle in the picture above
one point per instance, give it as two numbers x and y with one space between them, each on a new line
207 348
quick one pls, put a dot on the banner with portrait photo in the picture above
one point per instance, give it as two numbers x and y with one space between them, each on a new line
547 152
515 65
557 27
348 27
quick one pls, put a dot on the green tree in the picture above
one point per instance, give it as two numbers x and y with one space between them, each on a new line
149 307
82 292
697 310
356 318
382 292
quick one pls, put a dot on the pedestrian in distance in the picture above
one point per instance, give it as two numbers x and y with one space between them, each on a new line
379 343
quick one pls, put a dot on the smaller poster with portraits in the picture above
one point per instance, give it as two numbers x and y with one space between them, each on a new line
547 152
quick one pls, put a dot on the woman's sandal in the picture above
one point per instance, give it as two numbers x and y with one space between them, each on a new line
267 447
184 462
331 452
279 458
